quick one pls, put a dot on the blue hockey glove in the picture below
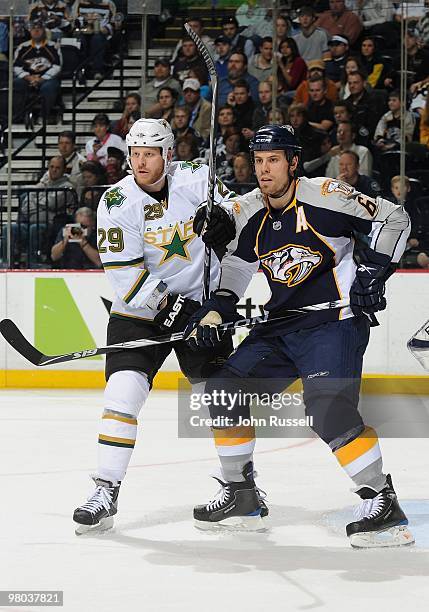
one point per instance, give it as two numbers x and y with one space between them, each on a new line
202 329
175 312
367 290
219 231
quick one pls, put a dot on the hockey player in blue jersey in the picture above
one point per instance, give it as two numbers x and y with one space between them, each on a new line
300 232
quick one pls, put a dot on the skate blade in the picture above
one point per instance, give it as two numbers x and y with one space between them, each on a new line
234 523
104 525
394 536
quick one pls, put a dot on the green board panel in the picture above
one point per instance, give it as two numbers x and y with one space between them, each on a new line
59 326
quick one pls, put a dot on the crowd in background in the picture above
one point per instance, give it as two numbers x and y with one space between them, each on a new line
337 81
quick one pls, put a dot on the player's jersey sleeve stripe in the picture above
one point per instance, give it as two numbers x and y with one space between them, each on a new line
113 265
259 231
136 287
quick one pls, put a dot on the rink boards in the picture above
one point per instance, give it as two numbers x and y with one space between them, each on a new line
67 311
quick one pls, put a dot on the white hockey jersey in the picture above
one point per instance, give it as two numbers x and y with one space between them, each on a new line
148 248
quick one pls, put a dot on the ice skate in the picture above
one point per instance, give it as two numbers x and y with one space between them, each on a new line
236 506
381 521
96 515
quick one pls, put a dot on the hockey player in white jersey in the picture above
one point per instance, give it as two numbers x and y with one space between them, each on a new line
301 233
154 262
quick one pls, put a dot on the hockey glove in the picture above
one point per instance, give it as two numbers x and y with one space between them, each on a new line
202 330
219 231
175 311
367 290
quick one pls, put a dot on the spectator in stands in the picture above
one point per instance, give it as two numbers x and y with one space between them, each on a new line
353 64
320 109
242 168
243 104
180 123
37 68
76 247
262 108
424 125
72 158
94 179
197 25
233 143
188 58
315 68
96 147
291 64
54 14
223 51
162 78
278 116
341 112
339 48
372 63
309 138
348 166
225 120
423 29
260 65
316 165
284 28
52 203
417 62
201 76
115 165
134 116
41 211
238 42
346 134
417 254
338 21
237 70
167 98
4 46
366 107
132 103
312 41
95 30
201 109
187 148
387 134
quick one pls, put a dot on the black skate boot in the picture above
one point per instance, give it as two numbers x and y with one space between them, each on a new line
237 505
380 519
97 513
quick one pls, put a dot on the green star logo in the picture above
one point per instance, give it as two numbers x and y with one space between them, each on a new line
177 246
193 166
114 197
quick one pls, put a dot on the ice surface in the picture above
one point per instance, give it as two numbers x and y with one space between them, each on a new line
156 560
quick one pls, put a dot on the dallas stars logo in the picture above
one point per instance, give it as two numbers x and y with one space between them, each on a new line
193 166
114 197
177 246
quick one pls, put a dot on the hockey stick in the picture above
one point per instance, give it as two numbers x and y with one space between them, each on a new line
16 339
212 148
418 345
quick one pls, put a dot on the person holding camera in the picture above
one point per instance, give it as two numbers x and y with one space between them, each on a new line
76 244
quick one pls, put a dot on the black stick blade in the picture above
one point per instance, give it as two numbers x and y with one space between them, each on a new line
13 336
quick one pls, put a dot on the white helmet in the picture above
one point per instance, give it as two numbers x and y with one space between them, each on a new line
151 133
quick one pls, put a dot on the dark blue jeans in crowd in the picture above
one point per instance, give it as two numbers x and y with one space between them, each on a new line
48 89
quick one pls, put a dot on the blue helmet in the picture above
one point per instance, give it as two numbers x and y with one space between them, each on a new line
272 137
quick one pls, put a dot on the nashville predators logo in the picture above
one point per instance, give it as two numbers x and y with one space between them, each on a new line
291 264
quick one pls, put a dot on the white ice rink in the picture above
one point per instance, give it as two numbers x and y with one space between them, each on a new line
155 559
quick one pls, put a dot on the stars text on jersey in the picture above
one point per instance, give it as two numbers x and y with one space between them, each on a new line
173 241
